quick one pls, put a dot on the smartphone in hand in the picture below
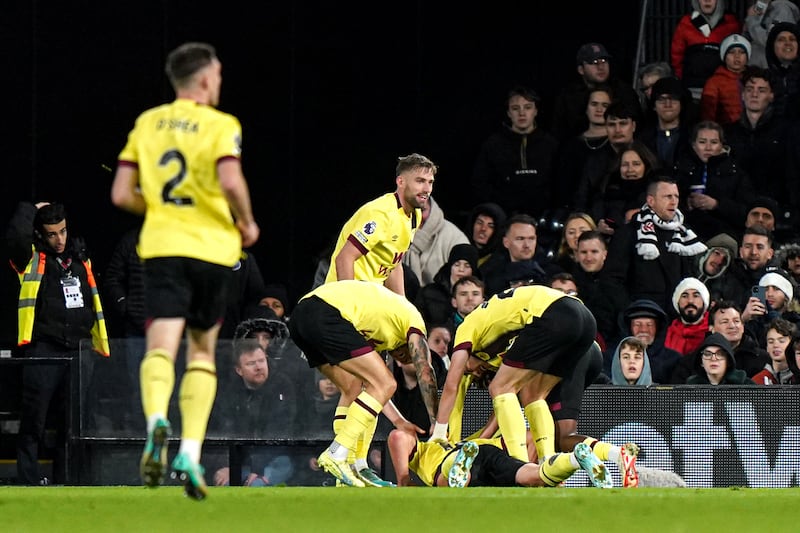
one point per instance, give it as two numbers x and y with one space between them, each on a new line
761 293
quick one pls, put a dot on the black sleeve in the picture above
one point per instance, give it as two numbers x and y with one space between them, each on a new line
19 235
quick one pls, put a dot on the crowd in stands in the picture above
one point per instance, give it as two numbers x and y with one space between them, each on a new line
679 219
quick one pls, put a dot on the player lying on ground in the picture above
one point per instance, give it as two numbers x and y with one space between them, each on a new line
484 463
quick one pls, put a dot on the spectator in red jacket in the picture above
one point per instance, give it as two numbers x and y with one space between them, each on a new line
694 53
721 100
690 299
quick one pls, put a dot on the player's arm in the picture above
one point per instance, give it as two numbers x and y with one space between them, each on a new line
426 379
400 446
458 365
345 261
125 192
396 280
400 422
234 187
491 427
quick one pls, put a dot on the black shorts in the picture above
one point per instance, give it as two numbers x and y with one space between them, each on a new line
323 334
180 287
553 343
493 467
565 399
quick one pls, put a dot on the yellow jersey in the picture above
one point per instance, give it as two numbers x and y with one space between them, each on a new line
428 456
383 318
382 231
496 321
176 148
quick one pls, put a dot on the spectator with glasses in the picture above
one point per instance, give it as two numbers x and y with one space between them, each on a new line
715 364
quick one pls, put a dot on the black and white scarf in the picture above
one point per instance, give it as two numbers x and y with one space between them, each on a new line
683 240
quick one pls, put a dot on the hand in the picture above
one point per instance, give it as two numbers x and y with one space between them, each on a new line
702 201
753 309
409 427
604 228
222 477
249 231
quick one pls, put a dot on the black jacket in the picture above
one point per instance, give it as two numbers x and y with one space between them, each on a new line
53 321
726 182
516 171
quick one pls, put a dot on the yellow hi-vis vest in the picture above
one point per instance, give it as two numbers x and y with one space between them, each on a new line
30 280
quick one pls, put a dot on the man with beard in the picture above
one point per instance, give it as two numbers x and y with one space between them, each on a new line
372 243
690 299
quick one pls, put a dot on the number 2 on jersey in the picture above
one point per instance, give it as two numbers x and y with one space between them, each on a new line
166 193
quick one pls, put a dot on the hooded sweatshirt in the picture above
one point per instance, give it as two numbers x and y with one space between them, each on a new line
618 378
785 76
733 375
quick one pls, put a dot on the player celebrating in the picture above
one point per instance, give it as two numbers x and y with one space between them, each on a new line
340 327
370 247
181 170
373 241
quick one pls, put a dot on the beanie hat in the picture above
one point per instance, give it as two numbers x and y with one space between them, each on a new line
690 283
732 41
464 252
669 85
767 203
277 291
776 278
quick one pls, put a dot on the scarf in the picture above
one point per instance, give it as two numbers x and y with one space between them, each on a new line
683 240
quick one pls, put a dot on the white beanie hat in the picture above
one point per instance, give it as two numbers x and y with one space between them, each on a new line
776 280
690 283
734 40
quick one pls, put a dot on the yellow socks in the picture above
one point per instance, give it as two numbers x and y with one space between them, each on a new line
156 381
542 427
512 424
556 469
599 448
364 442
198 389
338 421
361 414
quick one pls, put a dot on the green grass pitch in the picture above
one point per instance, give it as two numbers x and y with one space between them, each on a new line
412 509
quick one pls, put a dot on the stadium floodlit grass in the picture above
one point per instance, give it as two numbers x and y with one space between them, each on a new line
330 509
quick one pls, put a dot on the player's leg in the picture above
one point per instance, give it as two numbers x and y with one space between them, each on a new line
624 456
351 387
157 381
379 385
540 421
503 390
209 296
196 399
167 301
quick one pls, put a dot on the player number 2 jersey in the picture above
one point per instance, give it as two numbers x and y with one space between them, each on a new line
176 148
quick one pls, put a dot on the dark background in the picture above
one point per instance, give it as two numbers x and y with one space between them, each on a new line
328 94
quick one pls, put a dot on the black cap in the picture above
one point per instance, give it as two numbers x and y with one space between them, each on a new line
591 51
